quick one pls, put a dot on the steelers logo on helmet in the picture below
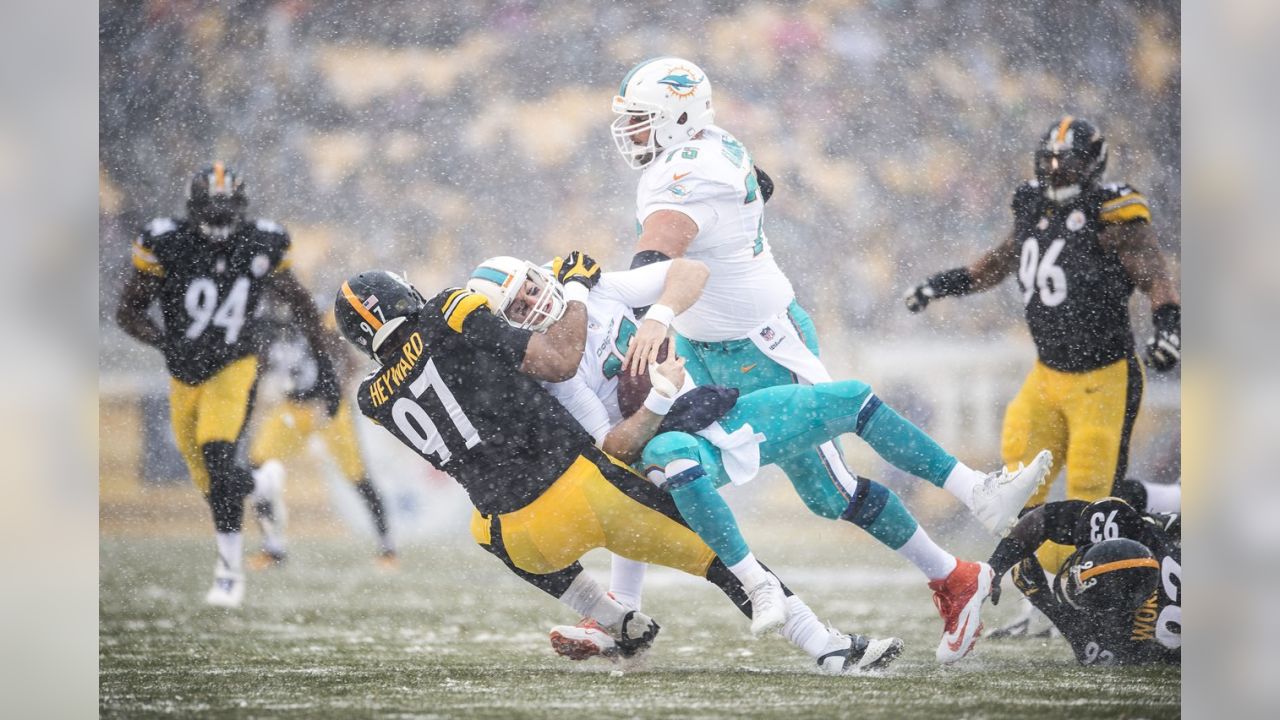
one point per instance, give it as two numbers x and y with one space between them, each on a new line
525 295
1108 519
371 306
1071 156
1117 575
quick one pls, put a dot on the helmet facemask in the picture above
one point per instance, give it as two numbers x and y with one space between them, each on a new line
1071 157
216 200
524 295
633 119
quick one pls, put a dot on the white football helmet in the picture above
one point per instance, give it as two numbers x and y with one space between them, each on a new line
669 97
500 279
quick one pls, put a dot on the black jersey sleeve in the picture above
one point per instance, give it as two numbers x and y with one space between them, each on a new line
276 240
1055 521
146 253
467 313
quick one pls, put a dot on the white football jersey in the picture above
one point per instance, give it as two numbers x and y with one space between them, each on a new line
712 180
591 395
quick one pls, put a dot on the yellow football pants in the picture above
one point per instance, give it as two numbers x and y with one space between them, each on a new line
1085 419
288 425
600 503
216 409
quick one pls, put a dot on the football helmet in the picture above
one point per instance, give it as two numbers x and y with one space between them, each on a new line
1071 156
216 200
1114 574
1108 519
525 295
667 100
370 306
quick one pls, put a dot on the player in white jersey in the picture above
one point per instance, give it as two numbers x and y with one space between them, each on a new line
701 197
518 291
693 440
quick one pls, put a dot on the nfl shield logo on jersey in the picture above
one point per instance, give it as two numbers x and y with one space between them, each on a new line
766 334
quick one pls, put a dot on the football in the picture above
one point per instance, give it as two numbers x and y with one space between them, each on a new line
633 389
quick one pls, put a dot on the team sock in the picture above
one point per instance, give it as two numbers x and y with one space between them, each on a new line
705 510
230 550
589 599
749 571
803 629
904 445
1163 497
925 554
961 481
626 576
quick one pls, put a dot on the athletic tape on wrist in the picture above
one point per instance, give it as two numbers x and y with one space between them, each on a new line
657 403
661 313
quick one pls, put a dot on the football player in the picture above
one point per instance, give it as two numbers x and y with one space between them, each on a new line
460 387
693 440
207 271
304 412
700 196
1079 248
1117 598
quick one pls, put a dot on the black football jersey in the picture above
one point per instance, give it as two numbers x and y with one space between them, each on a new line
209 289
1075 291
454 393
1150 634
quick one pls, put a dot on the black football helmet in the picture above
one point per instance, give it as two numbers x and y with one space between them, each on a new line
371 306
216 199
1114 574
1108 519
1071 156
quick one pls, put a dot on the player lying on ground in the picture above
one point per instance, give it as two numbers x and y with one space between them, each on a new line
1117 597
692 440
459 386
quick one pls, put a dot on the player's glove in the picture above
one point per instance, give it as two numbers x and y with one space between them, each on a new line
1164 349
948 282
327 386
698 408
577 267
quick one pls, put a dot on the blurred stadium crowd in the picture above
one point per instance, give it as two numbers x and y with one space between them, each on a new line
425 137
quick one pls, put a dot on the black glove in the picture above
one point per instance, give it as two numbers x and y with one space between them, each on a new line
1008 553
327 386
698 408
1164 349
949 282
578 266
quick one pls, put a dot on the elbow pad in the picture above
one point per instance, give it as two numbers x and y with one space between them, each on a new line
647 257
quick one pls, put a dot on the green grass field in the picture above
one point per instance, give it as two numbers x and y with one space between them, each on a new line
452 634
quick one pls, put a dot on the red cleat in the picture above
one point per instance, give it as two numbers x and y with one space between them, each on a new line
584 640
959 599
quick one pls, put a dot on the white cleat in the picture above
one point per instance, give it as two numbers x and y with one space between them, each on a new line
227 590
1003 494
584 640
848 654
268 503
768 606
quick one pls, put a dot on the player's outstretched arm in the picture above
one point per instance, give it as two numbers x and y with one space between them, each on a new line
627 439
131 315
554 355
324 344
994 266
681 289
1135 245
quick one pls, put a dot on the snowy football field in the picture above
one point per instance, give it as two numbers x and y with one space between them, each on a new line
453 634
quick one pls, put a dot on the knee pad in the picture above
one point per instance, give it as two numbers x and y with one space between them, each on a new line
670 446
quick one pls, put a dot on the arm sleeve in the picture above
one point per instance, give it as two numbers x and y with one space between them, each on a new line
636 288
581 402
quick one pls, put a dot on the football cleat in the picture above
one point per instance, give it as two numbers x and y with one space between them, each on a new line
1030 623
845 654
768 606
637 633
584 640
265 559
959 599
227 590
268 501
1002 494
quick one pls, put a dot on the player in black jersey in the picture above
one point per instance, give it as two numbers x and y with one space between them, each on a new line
1079 248
460 386
303 412
1117 598
207 271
